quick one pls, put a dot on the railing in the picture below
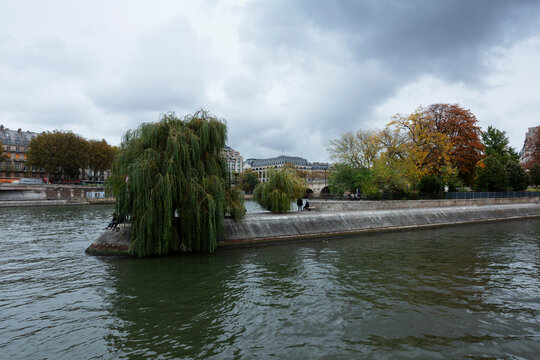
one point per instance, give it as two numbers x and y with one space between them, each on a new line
449 195
492 194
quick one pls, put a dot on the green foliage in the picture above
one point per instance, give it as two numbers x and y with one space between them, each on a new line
517 177
358 149
431 185
395 176
276 194
491 175
248 180
234 203
496 143
174 167
100 156
344 177
59 151
534 174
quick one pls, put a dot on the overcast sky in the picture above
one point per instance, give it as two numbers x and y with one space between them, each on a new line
287 76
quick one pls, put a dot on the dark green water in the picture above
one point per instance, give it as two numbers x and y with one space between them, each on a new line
455 292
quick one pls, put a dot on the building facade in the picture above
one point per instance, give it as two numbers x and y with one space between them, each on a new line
15 146
526 155
262 166
235 162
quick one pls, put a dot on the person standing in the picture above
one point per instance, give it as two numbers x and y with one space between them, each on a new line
300 204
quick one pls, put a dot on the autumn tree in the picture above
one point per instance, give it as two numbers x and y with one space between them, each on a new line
2 155
395 170
497 144
444 136
460 127
100 156
534 149
300 173
60 151
358 149
428 147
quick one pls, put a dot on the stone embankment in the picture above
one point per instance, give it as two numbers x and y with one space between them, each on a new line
12 195
265 228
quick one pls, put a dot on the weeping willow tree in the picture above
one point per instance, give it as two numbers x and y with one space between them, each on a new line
276 194
170 180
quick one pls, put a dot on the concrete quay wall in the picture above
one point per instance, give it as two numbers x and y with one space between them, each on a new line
30 195
265 228
354 205
268 228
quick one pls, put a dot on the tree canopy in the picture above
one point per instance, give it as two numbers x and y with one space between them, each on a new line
534 174
276 193
171 180
247 180
344 177
497 144
59 151
100 156
440 140
358 149
491 175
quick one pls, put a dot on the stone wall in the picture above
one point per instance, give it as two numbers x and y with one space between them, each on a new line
265 228
258 229
353 205
12 192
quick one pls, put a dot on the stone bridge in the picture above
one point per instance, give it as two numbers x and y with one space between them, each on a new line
317 187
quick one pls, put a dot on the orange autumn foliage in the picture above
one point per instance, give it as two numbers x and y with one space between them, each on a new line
460 127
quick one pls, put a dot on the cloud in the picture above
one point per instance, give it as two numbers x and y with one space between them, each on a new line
288 76
169 68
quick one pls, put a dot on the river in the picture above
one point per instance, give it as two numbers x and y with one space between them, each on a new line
454 292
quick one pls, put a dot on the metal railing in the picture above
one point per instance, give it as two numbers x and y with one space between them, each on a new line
492 194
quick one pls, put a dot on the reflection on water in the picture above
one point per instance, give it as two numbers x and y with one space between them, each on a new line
456 292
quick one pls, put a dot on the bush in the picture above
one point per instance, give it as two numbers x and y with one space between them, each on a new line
491 175
431 185
517 177
534 174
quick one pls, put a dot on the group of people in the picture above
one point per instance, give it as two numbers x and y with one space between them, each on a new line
114 223
302 206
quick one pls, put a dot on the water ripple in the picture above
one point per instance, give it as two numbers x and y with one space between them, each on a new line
460 292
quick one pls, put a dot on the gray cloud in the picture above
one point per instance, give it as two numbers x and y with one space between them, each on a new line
375 48
168 69
288 76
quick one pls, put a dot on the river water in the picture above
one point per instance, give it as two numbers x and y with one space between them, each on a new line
455 292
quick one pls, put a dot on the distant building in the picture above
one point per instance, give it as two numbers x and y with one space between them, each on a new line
262 166
235 162
529 147
15 146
